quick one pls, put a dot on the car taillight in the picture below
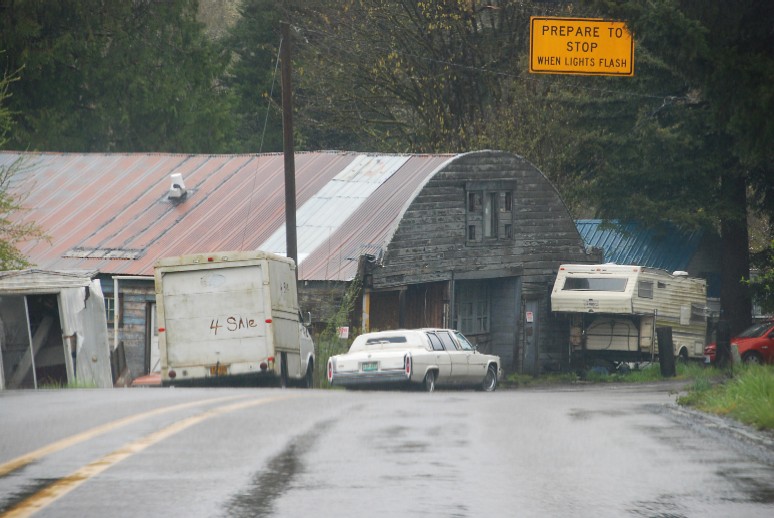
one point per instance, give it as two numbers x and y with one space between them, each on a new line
407 362
330 371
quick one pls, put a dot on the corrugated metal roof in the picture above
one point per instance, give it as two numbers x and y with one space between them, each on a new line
666 247
39 281
111 212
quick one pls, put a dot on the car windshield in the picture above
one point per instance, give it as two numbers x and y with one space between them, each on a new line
756 330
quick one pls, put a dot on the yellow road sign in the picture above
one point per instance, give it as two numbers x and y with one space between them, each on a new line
585 46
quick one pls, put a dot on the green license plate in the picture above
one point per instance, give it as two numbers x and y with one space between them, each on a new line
369 366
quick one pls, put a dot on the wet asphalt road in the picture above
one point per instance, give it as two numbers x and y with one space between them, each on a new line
596 451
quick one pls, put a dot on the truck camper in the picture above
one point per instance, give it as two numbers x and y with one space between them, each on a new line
614 310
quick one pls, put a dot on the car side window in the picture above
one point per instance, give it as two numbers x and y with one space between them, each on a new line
447 341
464 343
435 342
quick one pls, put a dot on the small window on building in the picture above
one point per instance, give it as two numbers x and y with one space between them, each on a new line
474 201
645 289
490 215
699 313
482 316
110 309
473 308
662 285
466 317
489 210
507 201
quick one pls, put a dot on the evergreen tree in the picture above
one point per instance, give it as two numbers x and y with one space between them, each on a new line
113 76
689 137
253 77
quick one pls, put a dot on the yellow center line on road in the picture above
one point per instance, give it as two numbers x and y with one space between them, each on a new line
54 447
63 486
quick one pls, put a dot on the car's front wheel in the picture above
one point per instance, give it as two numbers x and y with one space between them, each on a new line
752 358
429 383
490 380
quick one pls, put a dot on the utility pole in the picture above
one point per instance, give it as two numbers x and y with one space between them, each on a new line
287 146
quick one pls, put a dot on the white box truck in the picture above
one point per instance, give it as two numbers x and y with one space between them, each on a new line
614 311
229 318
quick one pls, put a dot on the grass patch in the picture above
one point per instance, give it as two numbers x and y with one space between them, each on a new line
645 373
527 380
57 385
745 394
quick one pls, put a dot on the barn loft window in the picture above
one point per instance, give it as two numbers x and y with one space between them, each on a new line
489 211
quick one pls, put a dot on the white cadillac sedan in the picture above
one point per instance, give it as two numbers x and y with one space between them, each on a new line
423 358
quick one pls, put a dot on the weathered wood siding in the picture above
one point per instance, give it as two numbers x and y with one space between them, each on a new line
430 241
432 244
134 298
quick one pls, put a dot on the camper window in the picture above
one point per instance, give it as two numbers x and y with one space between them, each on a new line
645 289
594 284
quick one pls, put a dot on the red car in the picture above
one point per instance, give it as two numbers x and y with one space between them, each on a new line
755 344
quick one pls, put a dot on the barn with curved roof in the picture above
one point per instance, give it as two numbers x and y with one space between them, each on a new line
468 240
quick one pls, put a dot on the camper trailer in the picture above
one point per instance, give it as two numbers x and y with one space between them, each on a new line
614 310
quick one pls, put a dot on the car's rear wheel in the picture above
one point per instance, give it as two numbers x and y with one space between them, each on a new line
490 380
429 383
752 358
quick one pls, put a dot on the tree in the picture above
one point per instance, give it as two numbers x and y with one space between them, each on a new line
686 140
403 75
762 284
12 231
252 76
113 76
698 140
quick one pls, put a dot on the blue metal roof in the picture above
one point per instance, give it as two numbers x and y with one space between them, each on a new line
665 247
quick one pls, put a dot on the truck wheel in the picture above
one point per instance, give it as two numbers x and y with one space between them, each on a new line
309 376
283 370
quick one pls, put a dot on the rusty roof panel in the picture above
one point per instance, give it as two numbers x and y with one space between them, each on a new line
112 213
